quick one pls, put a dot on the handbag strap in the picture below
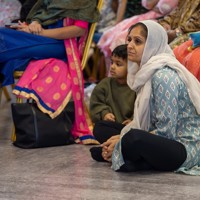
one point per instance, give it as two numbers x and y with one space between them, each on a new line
35 125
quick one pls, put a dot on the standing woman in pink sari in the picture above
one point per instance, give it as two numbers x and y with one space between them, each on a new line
51 43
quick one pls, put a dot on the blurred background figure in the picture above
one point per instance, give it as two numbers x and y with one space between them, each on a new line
182 20
112 13
116 35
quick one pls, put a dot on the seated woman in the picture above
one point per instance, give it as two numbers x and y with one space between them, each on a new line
164 134
181 21
53 40
47 33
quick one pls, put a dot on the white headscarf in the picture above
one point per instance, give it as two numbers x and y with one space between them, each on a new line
156 55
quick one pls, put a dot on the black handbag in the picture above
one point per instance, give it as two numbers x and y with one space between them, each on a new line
35 129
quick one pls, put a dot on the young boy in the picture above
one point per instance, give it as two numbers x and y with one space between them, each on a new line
112 99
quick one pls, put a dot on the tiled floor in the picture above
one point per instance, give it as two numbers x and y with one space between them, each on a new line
68 172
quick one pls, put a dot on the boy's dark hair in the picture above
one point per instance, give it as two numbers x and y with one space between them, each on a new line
120 51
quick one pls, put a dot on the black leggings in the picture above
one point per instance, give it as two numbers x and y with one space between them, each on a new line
103 130
140 147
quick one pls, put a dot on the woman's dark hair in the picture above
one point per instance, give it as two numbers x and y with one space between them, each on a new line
144 30
120 51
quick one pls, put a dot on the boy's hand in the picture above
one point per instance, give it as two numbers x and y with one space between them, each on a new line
109 117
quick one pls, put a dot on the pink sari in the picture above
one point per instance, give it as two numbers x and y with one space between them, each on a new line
61 81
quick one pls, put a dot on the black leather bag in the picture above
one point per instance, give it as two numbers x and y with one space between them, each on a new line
36 129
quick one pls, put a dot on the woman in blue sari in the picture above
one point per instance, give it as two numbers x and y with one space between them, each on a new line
43 35
55 34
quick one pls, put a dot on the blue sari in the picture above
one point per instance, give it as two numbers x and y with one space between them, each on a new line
17 48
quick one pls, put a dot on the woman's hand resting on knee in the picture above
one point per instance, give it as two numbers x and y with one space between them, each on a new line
34 27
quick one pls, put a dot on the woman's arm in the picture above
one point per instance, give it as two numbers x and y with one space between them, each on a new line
56 33
63 33
121 10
